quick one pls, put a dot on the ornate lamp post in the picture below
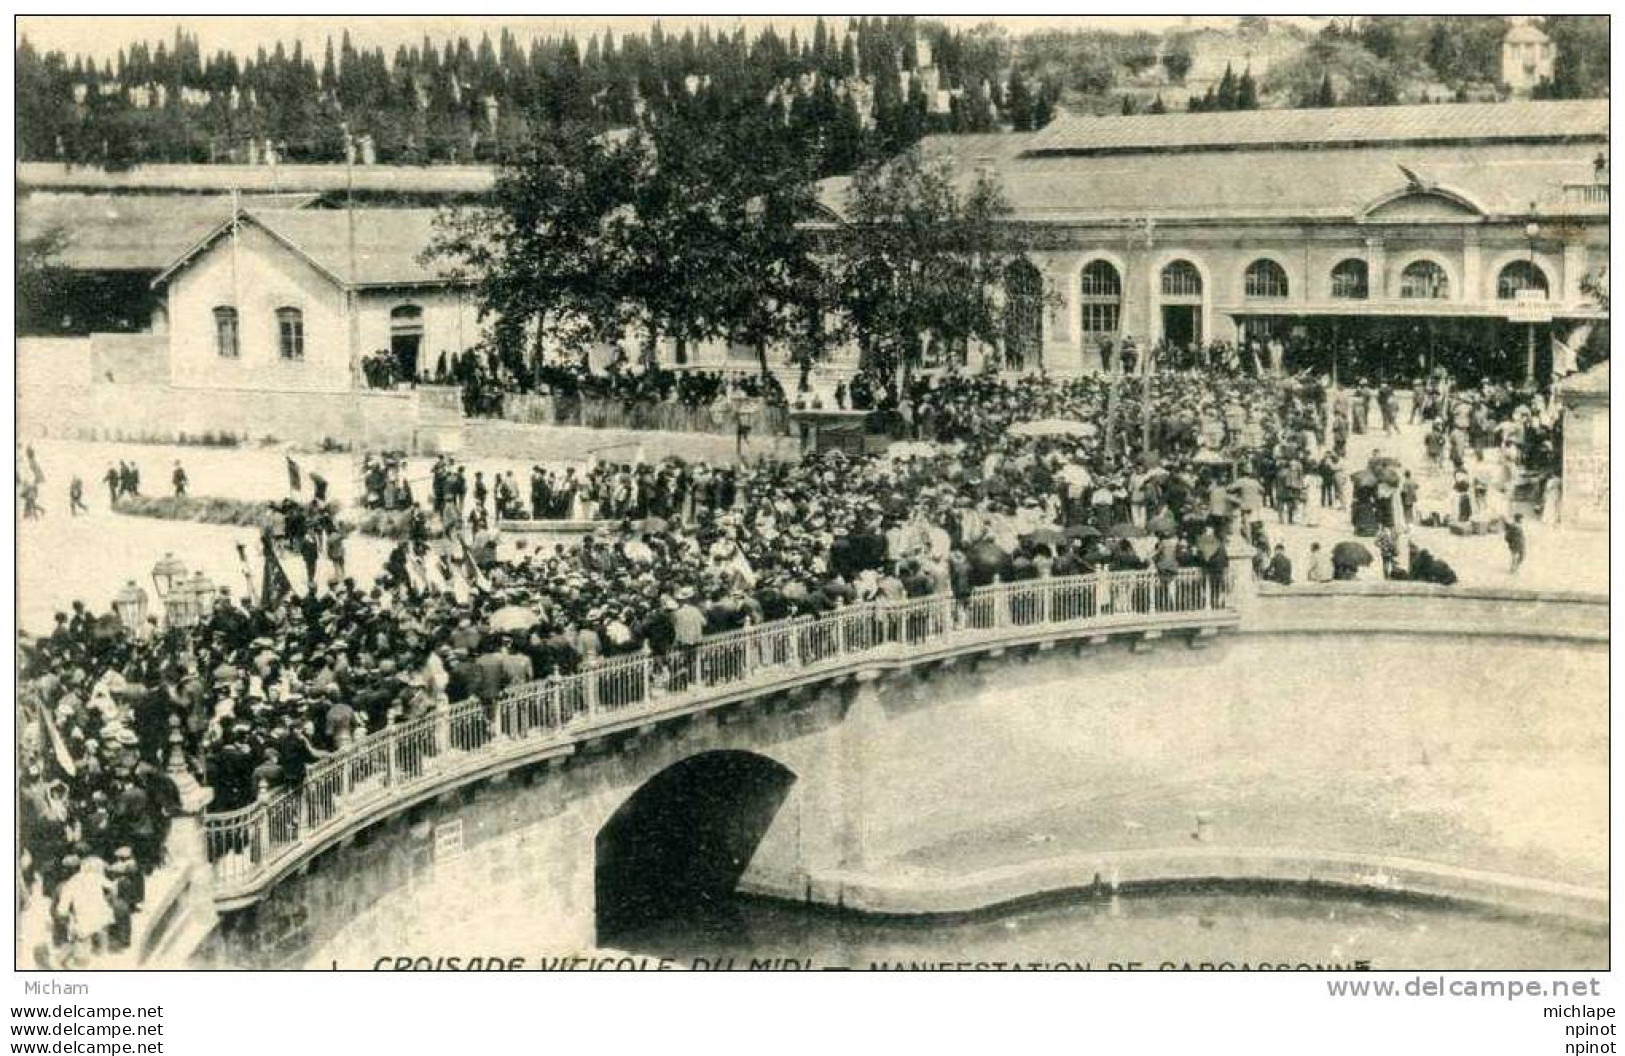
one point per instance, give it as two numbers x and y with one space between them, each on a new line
1531 231
130 605
168 576
197 593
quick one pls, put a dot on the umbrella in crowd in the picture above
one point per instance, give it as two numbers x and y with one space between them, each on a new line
1045 537
1054 427
513 618
1352 554
911 449
652 524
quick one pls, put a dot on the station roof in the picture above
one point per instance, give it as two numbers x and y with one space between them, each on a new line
1496 174
262 179
105 232
1328 128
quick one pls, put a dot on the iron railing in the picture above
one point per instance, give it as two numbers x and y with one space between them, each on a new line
251 845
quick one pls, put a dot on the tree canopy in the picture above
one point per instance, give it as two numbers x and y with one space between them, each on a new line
921 258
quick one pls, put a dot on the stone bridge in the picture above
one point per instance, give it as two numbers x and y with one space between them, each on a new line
784 759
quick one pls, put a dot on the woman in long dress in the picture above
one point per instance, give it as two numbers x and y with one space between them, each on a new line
83 901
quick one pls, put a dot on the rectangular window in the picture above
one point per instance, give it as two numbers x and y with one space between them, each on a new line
290 325
225 333
1100 318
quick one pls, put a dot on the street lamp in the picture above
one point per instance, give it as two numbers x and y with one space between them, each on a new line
167 574
130 605
1531 231
196 595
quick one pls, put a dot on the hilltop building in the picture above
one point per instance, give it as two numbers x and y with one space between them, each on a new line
1528 57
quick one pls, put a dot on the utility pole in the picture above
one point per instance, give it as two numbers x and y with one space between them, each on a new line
351 302
236 212
1147 366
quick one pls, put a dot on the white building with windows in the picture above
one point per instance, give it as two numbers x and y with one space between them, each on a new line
293 301
1528 57
1469 225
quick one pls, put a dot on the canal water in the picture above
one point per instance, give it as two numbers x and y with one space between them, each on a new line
1225 927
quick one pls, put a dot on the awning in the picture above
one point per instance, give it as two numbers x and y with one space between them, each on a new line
1417 309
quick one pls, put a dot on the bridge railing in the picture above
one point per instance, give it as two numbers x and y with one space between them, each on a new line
247 846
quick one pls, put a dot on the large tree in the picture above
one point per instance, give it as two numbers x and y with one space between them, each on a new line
921 257
693 227
546 255
721 248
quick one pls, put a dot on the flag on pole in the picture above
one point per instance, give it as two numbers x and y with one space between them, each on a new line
1566 354
246 569
471 568
59 750
294 480
276 584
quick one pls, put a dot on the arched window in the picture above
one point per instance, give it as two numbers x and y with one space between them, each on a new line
1423 280
1265 278
1351 280
1519 277
1180 279
225 332
290 332
1023 315
1102 299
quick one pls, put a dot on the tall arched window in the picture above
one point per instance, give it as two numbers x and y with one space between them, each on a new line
1424 280
1023 315
1351 280
1180 279
290 333
1102 299
1265 278
1519 277
225 332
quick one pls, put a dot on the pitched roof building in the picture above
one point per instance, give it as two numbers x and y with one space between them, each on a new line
293 301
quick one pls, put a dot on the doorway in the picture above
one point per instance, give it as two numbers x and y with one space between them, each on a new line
1182 324
406 340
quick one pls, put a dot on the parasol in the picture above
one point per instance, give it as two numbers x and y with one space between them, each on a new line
1054 427
1045 537
1351 554
1126 530
512 618
911 449
1083 531
987 560
1209 457
652 524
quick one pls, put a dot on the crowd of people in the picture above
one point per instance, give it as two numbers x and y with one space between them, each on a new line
486 380
263 687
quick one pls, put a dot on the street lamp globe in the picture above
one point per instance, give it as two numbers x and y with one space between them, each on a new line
201 590
1531 230
167 574
130 605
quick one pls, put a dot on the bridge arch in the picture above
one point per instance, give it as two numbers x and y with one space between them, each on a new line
684 838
